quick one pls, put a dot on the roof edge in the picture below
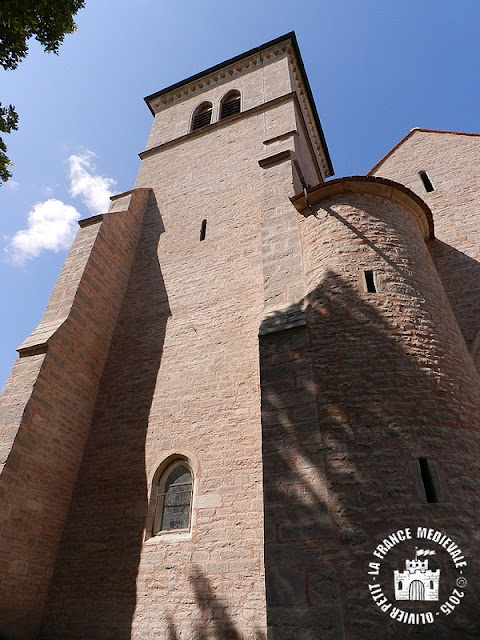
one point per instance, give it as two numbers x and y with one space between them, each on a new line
373 185
410 133
220 65
312 102
267 45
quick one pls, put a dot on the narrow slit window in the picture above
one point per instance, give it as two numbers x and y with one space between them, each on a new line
370 282
203 230
426 181
427 479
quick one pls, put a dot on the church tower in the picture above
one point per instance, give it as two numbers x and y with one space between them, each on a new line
245 379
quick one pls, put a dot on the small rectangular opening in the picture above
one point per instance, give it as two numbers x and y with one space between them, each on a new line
203 230
370 282
426 181
427 479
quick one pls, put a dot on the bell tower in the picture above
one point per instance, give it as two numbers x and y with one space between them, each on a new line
248 381
169 289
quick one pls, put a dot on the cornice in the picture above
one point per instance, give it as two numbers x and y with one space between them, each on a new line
374 186
187 88
309 112
284 46
217 125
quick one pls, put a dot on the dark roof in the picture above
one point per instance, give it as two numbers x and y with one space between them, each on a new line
288 36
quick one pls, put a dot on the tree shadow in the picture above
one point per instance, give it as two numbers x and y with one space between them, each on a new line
214 621
93 592
347 410
348 407
214 614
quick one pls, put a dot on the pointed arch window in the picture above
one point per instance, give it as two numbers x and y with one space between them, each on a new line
230 104
173 506
202 116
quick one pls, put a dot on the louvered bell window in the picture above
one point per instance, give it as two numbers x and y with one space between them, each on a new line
230 105
202 116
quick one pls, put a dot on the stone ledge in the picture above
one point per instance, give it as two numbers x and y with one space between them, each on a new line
374 186
281 319
275 159
86 222
34 350
215 125
281 136
117 196
37 341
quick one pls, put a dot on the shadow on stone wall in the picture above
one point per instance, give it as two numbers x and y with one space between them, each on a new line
346 413
460 276
93 593
213 621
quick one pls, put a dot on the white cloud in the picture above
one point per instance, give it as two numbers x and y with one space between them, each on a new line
13 185
94 189
51 226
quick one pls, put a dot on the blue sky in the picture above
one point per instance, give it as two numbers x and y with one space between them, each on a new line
377 68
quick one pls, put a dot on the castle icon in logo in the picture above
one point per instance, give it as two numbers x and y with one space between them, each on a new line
417 582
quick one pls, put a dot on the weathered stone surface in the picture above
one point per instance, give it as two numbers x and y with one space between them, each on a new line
306 404
48 403
285 586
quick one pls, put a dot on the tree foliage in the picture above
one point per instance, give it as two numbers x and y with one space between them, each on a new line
48 21
8 122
